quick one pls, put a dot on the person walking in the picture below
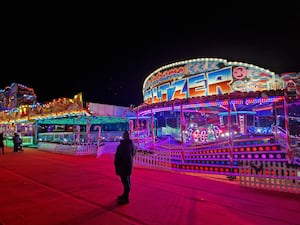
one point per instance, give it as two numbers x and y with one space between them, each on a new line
123 163
2 143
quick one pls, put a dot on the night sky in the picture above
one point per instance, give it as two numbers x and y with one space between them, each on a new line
107 55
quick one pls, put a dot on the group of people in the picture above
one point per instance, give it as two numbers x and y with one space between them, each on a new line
17 141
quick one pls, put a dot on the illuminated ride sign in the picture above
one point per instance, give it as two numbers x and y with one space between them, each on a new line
205 77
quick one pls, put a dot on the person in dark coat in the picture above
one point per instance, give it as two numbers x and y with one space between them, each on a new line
2 143
123 163
17 142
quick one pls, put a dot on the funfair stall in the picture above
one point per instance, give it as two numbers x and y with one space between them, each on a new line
21 113
210 114
63 125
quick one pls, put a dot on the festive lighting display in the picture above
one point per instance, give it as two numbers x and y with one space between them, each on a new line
210 114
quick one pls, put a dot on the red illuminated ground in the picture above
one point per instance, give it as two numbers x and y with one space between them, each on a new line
51 189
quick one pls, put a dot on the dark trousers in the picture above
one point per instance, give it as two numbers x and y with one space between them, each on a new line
126 185
16 147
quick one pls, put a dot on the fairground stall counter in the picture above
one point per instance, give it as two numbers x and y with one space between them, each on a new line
21 113
63 125
210 114
85 134
13 112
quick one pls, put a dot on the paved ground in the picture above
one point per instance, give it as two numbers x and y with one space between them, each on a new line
43 188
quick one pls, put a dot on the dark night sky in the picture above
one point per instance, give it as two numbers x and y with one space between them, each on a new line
106 55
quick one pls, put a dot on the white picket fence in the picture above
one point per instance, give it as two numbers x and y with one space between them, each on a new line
70 149
270 176
274 176
154 160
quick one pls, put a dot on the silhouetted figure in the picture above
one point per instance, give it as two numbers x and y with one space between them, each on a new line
2 143
17 142
123 164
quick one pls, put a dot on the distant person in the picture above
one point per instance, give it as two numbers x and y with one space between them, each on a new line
123 163
17 142
2 143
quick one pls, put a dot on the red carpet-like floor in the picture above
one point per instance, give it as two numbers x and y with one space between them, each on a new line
43 188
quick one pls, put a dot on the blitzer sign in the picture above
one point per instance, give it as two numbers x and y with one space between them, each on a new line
205 77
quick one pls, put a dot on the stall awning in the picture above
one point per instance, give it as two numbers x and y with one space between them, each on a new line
82 120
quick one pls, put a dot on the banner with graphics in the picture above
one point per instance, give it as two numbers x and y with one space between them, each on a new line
206 77
57 107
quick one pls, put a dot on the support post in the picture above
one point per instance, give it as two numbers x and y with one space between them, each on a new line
181 131
287 128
